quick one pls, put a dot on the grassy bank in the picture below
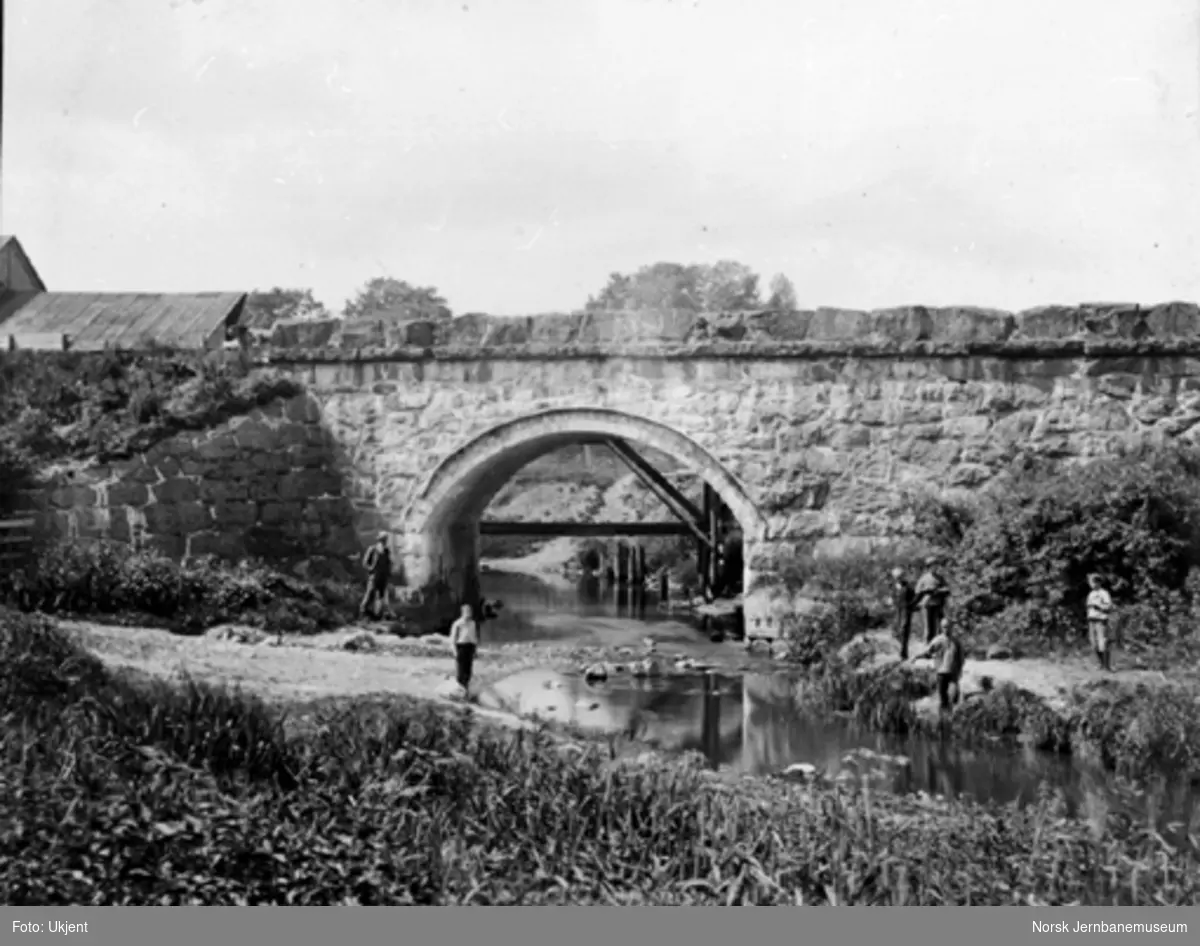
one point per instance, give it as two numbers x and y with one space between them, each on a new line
120 791
113 581
1133 728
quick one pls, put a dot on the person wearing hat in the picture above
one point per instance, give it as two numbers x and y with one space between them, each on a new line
377 560
931 594
1099 607
903 598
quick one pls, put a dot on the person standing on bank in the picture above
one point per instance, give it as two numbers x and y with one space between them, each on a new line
949 648
464 637
931 595
1099 609
903 597
377 560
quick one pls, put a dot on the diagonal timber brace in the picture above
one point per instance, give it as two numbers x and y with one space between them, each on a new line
662 488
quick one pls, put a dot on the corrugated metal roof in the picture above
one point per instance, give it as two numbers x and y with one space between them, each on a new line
94 320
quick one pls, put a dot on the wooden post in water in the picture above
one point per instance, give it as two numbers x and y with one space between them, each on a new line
641 560
664 587
712 526
622 564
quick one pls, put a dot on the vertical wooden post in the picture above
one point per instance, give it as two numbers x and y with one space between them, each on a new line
622 563
664 587
712 527
641 565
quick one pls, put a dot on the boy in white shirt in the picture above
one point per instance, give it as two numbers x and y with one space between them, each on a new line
464 636
1099 607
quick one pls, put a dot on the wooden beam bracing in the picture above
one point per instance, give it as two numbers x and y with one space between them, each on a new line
661 487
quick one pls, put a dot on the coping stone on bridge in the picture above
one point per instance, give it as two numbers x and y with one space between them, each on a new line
1100 328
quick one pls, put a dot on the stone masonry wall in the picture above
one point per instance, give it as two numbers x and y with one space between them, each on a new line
265 485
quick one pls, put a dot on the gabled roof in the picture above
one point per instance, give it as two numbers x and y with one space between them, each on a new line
95 320
11 244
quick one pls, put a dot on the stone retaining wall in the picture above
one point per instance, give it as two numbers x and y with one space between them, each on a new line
267 485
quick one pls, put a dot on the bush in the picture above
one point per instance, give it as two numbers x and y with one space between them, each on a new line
106 405
115 580
1025 547
385 802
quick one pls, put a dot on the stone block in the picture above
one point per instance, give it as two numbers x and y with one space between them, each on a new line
290 435
1050 321
193 517
168 467
1114 320
831 324
73 497
1173 320
224 491
162 519
172 546
119 529
280 513
232 514
127 493
970 324
262 488
177 490
219 544
91 523
254 435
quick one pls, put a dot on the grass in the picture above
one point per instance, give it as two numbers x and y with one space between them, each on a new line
117 790
1132 729
113 580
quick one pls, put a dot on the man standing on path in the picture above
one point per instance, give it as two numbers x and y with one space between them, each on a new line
464 637
377 560
902 609
931 594
949 674
1099 608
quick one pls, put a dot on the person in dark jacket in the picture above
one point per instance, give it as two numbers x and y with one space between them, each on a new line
377 560
931 593
903 600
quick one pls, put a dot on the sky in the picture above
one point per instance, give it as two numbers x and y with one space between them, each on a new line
514 153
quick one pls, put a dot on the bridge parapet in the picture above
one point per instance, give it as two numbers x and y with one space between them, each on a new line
1094 328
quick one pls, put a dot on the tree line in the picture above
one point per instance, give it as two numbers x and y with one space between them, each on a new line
725 286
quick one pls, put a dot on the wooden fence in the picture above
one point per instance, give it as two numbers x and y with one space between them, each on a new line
16 542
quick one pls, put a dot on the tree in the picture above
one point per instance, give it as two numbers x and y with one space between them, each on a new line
783 294
720 287
264 309
396 297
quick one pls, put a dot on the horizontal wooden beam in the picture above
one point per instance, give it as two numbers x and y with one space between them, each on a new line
584 529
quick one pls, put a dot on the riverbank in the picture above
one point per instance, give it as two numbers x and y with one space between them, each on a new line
389 800
1133 722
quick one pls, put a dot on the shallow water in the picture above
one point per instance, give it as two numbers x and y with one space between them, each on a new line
752 725
589 613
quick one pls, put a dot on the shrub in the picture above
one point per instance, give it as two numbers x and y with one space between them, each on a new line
1027 544
113 579
111 404
386 802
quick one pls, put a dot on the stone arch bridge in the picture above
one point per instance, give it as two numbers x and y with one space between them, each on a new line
810 426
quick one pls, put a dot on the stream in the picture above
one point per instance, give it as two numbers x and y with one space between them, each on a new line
750 723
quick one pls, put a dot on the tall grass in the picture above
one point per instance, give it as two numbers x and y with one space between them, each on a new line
116 580
125 792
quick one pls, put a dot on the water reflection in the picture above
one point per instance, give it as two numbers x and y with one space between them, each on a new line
752 726
535 610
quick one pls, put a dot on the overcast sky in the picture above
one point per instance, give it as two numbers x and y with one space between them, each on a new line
513 153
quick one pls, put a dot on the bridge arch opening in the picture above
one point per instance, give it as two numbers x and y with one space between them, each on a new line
441 530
